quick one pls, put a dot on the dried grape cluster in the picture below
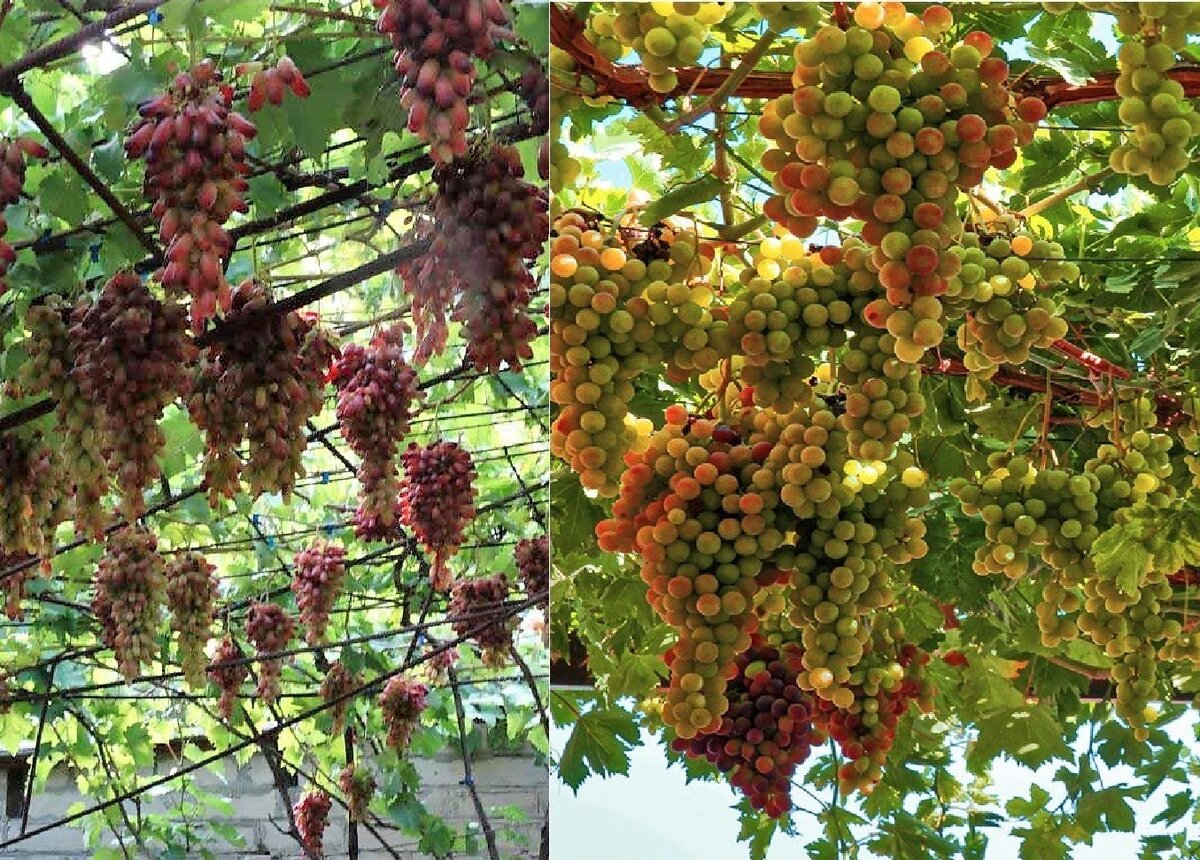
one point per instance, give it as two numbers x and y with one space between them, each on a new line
29 494
12 181
260 384
271 629
312 816
130 354
533 563
473 603
191 601
49 371
337 683
437 501
131 587
317 582
378 395
228 678
437 42
270 84
194 146
401 704
487 223
358 784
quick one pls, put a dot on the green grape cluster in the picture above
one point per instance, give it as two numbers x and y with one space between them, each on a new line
30 494
782 17
665 35
689 337
1189 434
882 396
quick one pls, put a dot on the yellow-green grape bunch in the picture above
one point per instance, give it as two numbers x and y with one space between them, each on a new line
1006 318
808 455
191 595
30 500
1189 433
782 17
599 342
1171 21
666 35
1134 472
51 358
688 328
131 585
701 510
1162 119
601 30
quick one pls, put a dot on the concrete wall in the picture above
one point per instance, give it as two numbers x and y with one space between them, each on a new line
503 779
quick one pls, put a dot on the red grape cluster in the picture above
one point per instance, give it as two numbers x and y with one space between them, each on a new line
269 85
228 678
437 501
358 784
131 585
12 180
14 584
191 600
51 358
767 730
535 91
312 816
261 384
130 353
320 570
378 395
29 494
195 152
337 683
472 603
401 702
533 562
271 629
487 223
436 43
439 662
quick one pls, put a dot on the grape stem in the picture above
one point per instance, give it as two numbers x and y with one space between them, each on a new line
734 80
1063 193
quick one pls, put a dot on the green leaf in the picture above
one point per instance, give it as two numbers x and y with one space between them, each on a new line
1105 809
1028 734
599 745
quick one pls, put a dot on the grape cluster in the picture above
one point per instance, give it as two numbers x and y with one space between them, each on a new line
228 678
437 42
996 285
439 661
311 812
487 224
885 128
270 84
12 181
358 784
271 629
30 501
767 731
130 353
14 584
472 603
1189 434
437 501
191 600
194 146
51 359
533 563
401 703
131 587
378 395
665 35
319 571
260 384
534 88
338 682
693 505
782 17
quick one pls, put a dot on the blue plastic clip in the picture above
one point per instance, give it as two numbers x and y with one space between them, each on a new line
324 477
270 541
94 250
154 16
255 519
467 780
386 207
421 640
329 529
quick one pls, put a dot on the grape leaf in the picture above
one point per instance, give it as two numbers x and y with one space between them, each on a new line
599 745
1027 734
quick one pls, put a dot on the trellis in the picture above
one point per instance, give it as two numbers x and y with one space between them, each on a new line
522 461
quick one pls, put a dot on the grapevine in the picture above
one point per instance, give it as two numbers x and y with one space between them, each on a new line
271 629
191 595
401 702
437 501
131 586
319 571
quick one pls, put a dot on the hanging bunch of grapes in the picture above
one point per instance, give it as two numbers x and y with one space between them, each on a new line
229 677
260 384
317 582
131 587
312 817
439 661
473 603
437 42
30 504
191 600
270 84
358 784
194 146
14 583
533 562
130 352
338 682
271 629
535 92
12 180
378 395
401 703
437 501
49 372
487 223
